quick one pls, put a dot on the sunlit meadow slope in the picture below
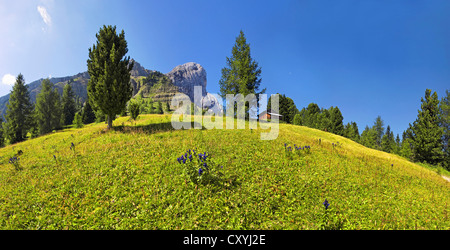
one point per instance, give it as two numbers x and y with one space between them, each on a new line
129 178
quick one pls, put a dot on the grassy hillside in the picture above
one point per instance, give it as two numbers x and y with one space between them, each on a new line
129 178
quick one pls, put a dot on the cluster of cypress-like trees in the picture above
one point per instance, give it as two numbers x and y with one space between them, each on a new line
148 106
50 112
330 120
287 108
380 138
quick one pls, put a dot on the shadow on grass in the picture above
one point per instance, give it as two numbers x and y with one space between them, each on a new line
221 182
151 128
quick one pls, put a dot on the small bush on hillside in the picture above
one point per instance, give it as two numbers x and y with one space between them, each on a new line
134 109
78 121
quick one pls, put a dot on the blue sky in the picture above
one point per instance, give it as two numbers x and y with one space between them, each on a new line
369 57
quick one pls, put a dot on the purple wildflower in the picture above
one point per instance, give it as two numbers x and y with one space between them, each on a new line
326 204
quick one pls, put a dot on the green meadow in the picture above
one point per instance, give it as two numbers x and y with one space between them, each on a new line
129 178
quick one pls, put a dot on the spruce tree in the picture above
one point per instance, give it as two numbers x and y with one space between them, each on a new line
109 87
48 108
2 135
19 112
351 131
68 104
283 108
369 137
364 136
87 115
388 141
301 118
34 128
425 133
406 145
291 110
77 120
297 119
336 118
312 113
378 126
322 120
347 130
309 116
355 137
159 109
397 145
287 108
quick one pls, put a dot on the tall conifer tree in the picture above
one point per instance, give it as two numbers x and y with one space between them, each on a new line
351 131
109 87
19 112
68 104
87 115
337 125
369 137
378 126
2 135
242 75
287 108
388 141
406 146
425 133
48 108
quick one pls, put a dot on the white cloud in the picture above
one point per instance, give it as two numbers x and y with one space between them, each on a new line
8 79
45 16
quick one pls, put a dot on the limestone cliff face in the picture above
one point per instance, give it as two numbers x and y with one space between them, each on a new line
187 76
210 101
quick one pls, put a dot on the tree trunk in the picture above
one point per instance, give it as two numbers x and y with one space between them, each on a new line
109 121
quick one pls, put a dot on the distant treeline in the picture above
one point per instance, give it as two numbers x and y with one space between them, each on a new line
51 111
425 140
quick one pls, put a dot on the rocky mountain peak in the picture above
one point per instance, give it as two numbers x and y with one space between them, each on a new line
188 75
138 70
